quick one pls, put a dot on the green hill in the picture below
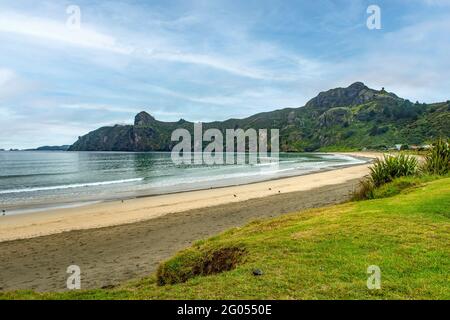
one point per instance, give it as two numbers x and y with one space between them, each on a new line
317 254
339 119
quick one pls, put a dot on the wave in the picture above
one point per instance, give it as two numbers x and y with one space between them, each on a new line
68 186
342 157
217 177
26 175
260 169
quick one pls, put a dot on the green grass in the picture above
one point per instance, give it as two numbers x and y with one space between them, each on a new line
366 189
402 184
319 254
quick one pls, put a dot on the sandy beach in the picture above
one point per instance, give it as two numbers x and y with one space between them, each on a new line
116 241
112 213
109 256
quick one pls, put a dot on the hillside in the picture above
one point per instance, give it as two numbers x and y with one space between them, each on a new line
316 254
339 119
52 148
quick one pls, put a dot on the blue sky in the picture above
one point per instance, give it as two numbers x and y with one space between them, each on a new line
204 60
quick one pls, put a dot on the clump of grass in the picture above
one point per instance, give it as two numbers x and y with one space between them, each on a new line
365 190
383 171
437 160
198 262
390 167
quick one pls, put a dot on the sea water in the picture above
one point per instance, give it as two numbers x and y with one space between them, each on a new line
30 180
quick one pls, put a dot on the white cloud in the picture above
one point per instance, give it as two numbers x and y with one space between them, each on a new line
210 61
5 77
11 84
99 107
117 109
409 61
53 30
437 2
165 46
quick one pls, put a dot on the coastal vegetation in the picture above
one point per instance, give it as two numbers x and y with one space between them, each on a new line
436 162
391 167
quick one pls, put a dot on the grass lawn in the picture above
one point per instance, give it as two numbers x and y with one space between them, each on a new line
316 254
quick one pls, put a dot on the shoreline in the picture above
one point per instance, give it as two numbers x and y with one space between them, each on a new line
120 212
36 207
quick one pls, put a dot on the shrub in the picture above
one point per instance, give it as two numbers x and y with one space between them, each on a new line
384 171
391 167
437 159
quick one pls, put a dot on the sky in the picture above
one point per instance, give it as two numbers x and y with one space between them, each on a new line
204 60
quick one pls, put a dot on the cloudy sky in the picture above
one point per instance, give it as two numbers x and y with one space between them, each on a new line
204 60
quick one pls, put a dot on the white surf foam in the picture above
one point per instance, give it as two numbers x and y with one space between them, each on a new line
68 186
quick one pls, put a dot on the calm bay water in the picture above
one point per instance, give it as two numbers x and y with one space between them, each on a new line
42 179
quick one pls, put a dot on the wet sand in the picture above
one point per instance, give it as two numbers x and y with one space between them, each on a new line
110 255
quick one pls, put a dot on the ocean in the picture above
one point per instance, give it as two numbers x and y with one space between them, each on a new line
38 180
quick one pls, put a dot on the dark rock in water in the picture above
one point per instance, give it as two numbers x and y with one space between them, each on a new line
257 272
